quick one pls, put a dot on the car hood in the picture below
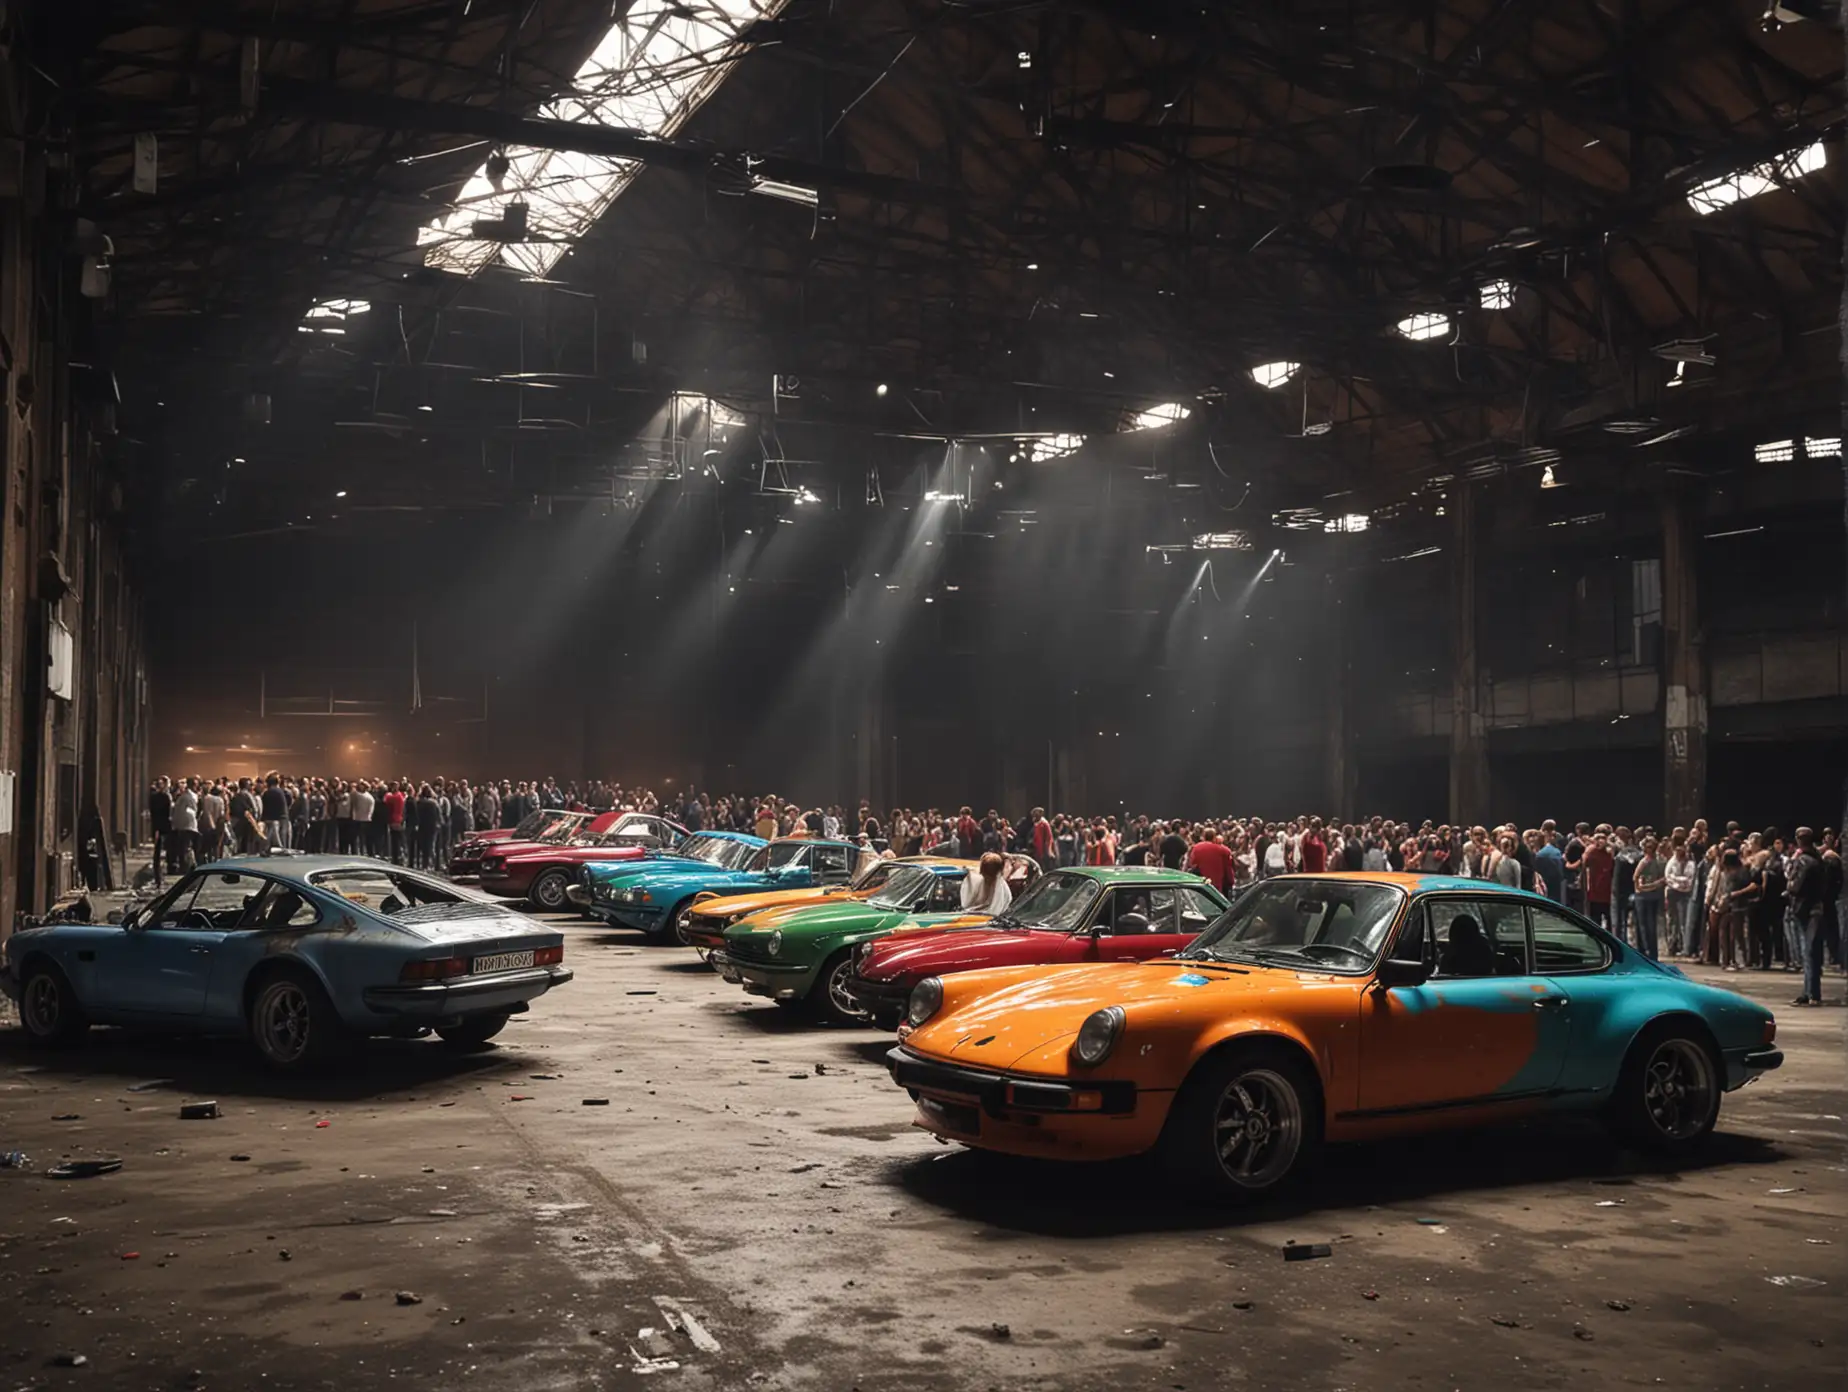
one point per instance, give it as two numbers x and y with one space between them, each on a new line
998 1018
731 905
912 955
820 920
567 855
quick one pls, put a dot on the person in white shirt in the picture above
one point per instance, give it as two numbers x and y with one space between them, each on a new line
185 833
1678 876
985 888
362 818
1275 859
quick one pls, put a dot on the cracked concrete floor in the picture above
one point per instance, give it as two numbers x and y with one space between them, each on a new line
750 1207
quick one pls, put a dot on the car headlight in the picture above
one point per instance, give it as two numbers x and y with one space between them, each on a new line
926 1000
1097 1036
636 896
775 945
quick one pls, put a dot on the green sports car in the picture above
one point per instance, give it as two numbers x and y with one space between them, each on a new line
806 957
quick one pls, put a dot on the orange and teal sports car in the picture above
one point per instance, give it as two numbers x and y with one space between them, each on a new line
1329 1008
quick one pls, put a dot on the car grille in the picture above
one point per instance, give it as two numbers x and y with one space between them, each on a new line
754 947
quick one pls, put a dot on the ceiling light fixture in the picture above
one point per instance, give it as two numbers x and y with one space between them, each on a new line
787 193
881 389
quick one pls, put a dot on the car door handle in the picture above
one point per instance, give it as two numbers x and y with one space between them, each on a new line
200 951
1551 1002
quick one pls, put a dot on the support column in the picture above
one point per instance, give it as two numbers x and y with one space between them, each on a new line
1341 774
1684 668
1469 757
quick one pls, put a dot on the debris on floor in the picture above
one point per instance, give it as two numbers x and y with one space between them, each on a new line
1307 1251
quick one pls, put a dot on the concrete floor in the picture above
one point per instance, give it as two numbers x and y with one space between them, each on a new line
754 1194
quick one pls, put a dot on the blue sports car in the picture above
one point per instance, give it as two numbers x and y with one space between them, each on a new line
652 894
305 954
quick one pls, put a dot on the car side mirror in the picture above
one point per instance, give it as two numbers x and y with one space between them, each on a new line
1401 971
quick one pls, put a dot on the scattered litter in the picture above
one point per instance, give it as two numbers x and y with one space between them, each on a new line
408 1298
1618 1305
1607 1203
820 1068
1579 1331
804 1169
1504 1323
282 1254
64 1220
322 1124
1817 1241
150 1085
83 1169
1307 1251
1773 1191
1796 1282
1241 1304
1435 1227
1001 1331
76 1116
442 1213
131 1256
352 1295
1430 1222
519 1097
596 1101
642 993
655 1354
684 1323
545 1077
832 1184
198 1111
799 1075
760 1060
15 1160
1369 1295
70 1360
240 1158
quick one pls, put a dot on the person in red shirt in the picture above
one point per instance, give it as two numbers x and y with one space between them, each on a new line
394 822
1043 849
1314 851
1600 871
1211 860
968 835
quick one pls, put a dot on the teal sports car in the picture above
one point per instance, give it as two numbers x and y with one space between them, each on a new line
650 895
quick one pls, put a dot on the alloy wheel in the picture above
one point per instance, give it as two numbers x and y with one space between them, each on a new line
843 1003
42 1005
549 893
1678 1088
283 1021
1257 1128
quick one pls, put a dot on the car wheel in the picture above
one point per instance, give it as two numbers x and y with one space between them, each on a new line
48 1007
1668 1091
473 1032
683 920
548 891
665 930
829 993
294 1024
1245 1121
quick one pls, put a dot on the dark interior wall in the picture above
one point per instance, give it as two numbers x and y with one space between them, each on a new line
1781 783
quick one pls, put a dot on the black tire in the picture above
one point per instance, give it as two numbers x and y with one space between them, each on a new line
664 931
1667 1098
294 1025
1271 1096
828 997
548 891
472 1033
48 1008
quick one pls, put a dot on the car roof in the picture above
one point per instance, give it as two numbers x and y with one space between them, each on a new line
300 867
1415 883
1111 874
735 836
813 841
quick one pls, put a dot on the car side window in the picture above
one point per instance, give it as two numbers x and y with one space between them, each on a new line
213 899
283 906
831 864
1133 909
1560 945
1477 937
946 893
1198 908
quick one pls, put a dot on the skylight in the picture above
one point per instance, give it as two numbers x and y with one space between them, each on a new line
1274 374
1351 522
653 69
1167 413
1715 194
1222 541
1775 451
330 316
1420 327
1498 294
1823 446
1053 447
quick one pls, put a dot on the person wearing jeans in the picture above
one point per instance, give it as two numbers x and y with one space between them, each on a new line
1807 891
1650 883
1678 877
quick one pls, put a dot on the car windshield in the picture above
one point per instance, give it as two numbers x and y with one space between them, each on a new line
905 888
875 873
778 854
1330 925
1055 901
714 850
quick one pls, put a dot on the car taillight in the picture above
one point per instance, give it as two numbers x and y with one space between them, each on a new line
548 956
1770 1030
434 969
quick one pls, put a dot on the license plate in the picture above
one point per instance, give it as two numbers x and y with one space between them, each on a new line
503 961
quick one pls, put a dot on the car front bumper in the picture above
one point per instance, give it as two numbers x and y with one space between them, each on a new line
578 895
1019 1114
883 1000
785 981
646 917
707 936
438 1000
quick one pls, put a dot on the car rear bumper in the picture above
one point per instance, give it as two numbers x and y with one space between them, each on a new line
1022 1115
480 996
1743 1065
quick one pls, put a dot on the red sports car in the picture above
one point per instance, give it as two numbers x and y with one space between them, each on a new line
1132 924
541 874
535 829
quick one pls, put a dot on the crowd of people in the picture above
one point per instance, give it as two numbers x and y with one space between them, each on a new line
1736 899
